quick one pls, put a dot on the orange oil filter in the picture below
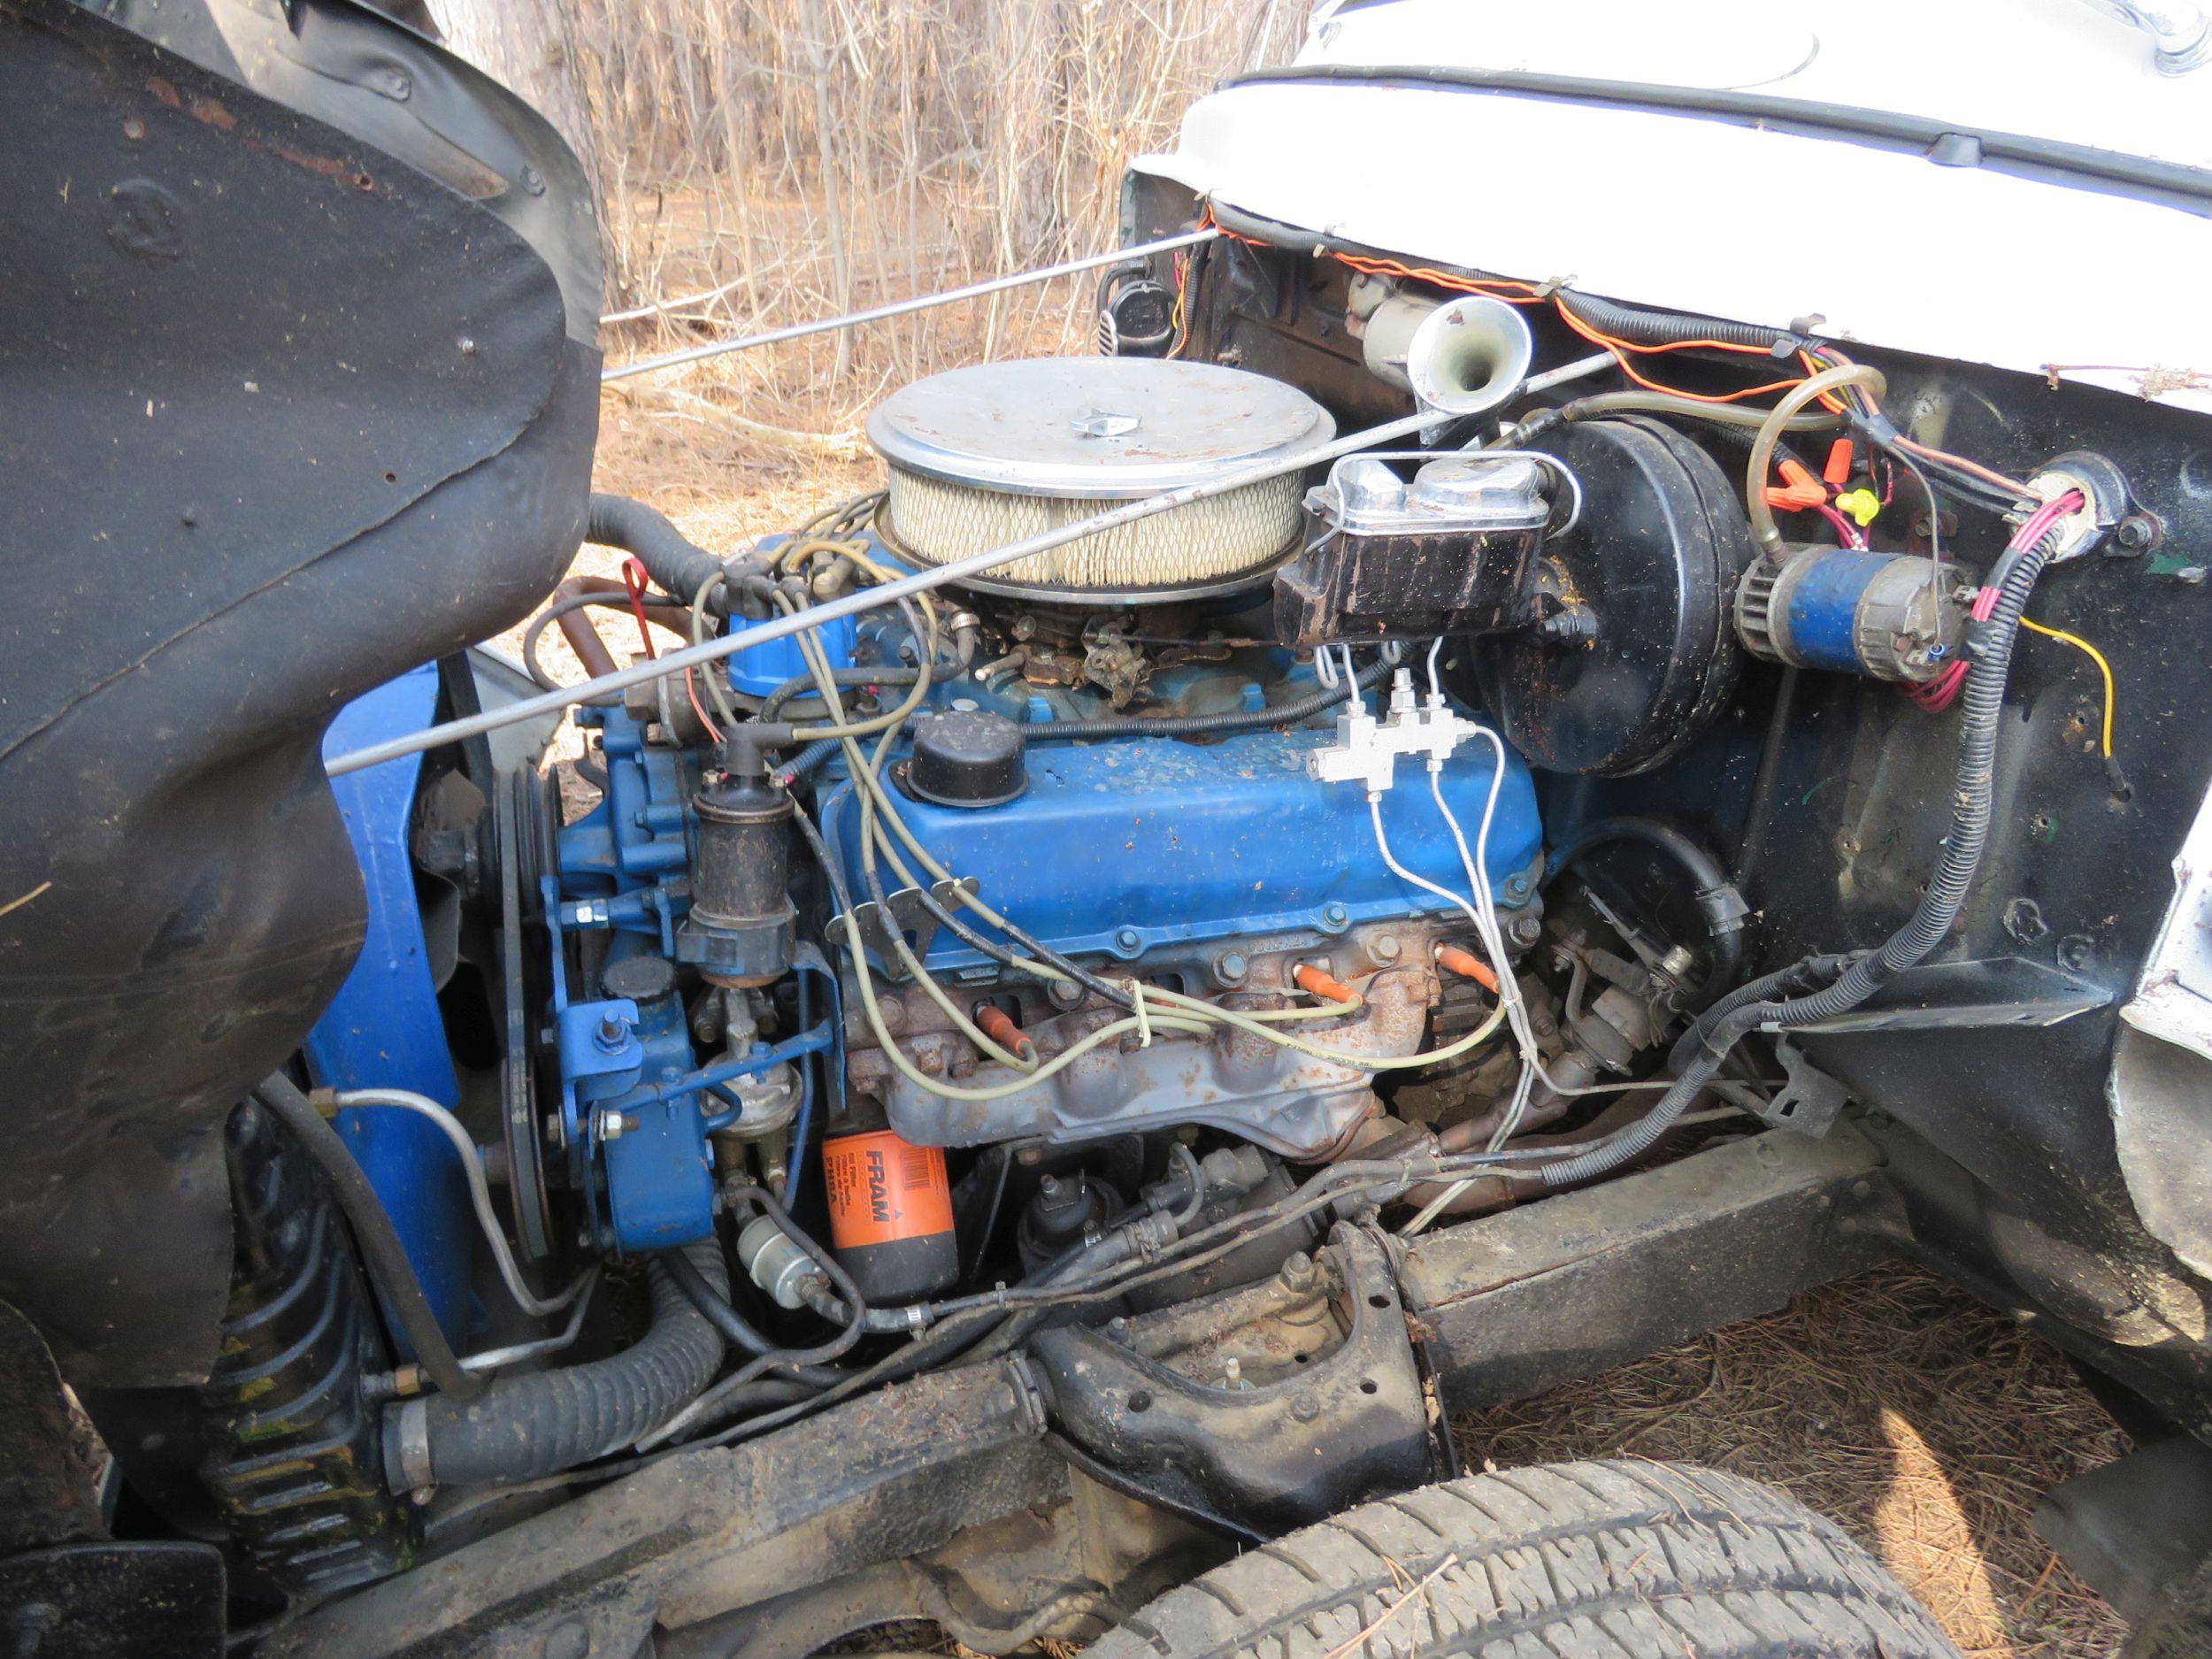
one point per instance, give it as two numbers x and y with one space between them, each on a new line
890 1209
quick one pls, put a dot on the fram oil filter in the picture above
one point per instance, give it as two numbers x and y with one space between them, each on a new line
890 1210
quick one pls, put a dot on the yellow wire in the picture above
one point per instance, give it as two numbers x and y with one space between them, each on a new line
2094 655
1176 323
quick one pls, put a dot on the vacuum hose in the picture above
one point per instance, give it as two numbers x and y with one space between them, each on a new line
522 1427
1718 900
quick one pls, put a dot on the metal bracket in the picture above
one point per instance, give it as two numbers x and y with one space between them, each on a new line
1811 1101
1964 995
910 916
1277 1455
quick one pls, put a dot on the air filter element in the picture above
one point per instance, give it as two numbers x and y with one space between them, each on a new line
996 452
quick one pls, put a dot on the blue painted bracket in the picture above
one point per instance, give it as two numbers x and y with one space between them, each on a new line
383 1030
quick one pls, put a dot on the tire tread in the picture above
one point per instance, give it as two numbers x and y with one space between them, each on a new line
1597 1560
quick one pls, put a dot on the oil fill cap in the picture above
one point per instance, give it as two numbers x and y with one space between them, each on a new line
639 978
966 758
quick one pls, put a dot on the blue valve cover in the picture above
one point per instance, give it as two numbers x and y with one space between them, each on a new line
1125 845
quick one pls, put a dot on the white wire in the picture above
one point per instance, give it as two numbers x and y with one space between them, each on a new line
1382 841
479 1193
1475 863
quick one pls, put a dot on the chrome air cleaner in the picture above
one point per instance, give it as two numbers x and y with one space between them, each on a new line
987 455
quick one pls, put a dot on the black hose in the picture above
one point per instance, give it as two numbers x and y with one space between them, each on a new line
677 564
524 1426
1207 725
722 1314
554 612
1715 895
380 1248
807 761
1990 646
1643 328
806 685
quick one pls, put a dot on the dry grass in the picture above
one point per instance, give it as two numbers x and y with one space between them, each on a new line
1892 1403
796 158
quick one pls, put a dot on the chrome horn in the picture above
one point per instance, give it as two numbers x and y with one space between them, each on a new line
1462 357
1469 356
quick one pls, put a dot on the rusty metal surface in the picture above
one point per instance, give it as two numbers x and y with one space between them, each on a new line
1295 1104
706 1532
1263 1454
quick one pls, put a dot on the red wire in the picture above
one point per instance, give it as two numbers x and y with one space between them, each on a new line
1939 693
1846 532
635 580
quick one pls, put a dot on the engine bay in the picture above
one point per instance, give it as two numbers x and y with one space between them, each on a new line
1087 932
1398 835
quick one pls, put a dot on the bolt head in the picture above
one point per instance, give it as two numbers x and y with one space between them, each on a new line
1387 947
1129 939
1525 929
1231 966
1335 916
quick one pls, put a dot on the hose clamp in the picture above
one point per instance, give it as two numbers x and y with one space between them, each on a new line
408 1441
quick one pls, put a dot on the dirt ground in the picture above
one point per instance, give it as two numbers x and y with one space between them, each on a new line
1893 1404
1925 1425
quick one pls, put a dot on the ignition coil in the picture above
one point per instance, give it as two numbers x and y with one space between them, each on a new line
740 930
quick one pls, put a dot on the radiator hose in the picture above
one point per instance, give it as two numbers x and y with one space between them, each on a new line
678 565
1981 704
522 1427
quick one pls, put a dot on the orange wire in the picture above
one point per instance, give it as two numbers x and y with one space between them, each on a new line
1620 352
691 690
635 578
1532 294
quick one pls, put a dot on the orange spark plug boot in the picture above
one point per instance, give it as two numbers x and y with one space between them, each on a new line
994 1024
1311 978
1452 959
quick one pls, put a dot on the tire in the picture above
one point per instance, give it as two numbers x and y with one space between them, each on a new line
2179 1625
1569 1561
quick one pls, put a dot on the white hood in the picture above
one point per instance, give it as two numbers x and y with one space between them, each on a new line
1735 219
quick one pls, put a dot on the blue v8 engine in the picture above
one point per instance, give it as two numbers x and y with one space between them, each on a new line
1153 843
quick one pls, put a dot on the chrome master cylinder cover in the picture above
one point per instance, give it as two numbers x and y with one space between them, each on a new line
984 456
